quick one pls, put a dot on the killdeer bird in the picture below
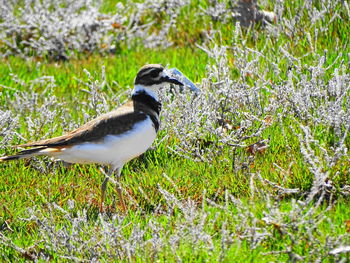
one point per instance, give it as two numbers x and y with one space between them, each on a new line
115 137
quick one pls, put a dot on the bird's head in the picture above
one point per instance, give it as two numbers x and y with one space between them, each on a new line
153 77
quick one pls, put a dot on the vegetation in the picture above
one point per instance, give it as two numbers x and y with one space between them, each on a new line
255 168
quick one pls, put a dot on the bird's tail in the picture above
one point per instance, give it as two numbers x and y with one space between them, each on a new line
24 154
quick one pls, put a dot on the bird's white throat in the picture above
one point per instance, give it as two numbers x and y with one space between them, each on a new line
149 90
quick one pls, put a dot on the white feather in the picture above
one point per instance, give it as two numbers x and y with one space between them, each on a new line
150 90
114 150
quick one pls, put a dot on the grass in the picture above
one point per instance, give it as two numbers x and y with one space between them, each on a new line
150 180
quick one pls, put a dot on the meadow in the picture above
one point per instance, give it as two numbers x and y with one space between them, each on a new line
255 168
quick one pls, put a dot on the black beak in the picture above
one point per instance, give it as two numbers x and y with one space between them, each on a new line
185 82
172 81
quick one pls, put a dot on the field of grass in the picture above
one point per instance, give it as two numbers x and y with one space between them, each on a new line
254 169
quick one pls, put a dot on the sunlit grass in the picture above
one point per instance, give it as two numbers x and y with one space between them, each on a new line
25 184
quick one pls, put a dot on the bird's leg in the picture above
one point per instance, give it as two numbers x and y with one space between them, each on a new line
119 189
104 187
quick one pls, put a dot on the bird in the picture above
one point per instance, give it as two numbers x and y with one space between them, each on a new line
113 138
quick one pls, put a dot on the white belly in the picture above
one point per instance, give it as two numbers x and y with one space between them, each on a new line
114 149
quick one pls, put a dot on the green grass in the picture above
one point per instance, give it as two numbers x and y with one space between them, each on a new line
23 186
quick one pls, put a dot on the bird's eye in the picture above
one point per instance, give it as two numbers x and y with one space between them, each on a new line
154 74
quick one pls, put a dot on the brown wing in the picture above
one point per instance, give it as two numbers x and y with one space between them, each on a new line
115 122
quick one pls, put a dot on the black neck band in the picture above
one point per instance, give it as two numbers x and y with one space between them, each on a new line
144 98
